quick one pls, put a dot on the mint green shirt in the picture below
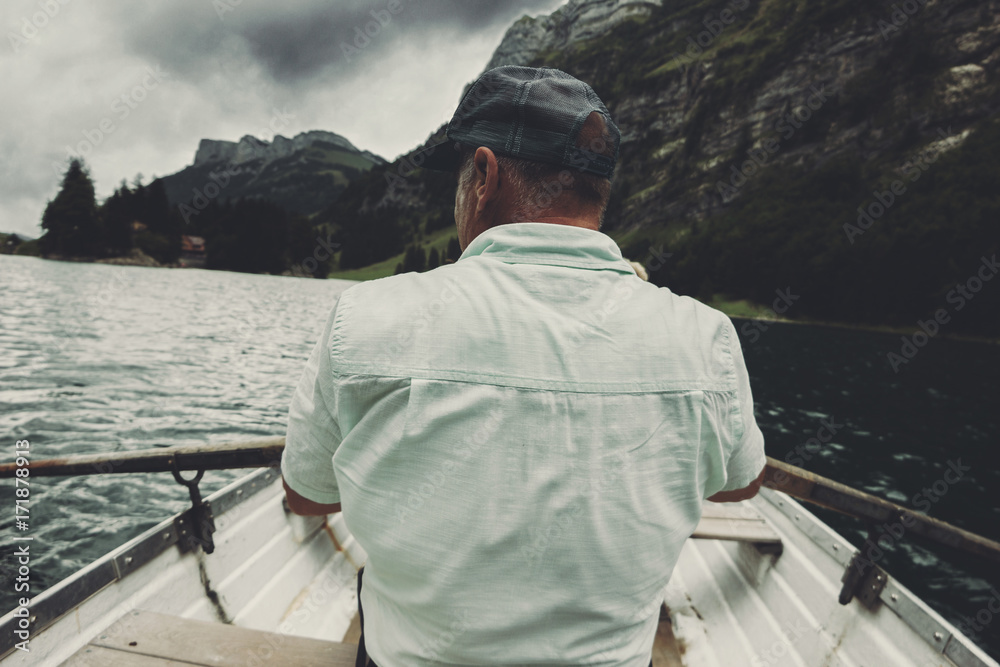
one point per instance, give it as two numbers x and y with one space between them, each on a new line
522 442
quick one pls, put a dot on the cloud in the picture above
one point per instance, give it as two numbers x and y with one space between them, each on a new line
298 40
228 69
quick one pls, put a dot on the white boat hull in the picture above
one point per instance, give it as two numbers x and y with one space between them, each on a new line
729 603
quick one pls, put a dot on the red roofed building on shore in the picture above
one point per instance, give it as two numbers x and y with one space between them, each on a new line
192 251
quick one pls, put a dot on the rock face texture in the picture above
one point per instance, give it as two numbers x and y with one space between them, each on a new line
756 133
212 151
719 79
694 89
576 21
302 174
251 148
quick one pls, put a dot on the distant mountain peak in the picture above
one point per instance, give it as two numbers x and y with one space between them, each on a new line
250 147
575 21
302 174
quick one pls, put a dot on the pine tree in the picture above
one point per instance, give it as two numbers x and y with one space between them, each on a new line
251 236
454 249
71 223
302 256
162 220
433 260
117 220
415 259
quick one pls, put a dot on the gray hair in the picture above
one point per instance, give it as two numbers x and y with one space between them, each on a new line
537 186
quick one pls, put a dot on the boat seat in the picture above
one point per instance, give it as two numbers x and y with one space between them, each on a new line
739 522
150 639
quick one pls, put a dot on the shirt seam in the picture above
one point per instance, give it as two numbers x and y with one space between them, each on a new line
739 427
538 384
511 254
336 339
557 260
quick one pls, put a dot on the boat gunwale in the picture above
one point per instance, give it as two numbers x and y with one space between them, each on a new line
926 623
52 604
59 600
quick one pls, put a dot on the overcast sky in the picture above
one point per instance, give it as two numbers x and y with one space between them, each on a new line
135 84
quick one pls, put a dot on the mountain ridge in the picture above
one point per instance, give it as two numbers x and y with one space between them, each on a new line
250 147
302 174
752 134
575 21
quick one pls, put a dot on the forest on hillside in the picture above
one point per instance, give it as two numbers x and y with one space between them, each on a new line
829 224
875 206
249 235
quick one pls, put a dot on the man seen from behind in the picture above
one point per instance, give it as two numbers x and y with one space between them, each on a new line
523 440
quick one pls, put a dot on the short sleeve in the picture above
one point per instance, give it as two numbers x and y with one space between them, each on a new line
747 458
313 432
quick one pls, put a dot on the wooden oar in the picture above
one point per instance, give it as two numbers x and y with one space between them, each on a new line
875 511
795 482
249 454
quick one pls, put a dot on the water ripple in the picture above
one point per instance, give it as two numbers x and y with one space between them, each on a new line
97 358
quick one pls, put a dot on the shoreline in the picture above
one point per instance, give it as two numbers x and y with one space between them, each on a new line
140 259
738 310
135 257
744 309
868 328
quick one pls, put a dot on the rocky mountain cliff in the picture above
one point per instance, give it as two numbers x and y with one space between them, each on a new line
707 86
303 174
760 138
574 22
251 148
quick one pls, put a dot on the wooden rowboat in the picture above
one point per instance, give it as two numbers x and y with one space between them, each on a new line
757 584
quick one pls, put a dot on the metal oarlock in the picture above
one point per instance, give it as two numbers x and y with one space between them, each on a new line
195 526
863 579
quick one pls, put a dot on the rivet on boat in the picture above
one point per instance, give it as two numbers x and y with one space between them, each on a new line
128 560
166 536
938 636
836 547
797 517
32 619
239 492
894 597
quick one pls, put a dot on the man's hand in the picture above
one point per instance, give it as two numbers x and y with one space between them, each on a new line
740 494
304 506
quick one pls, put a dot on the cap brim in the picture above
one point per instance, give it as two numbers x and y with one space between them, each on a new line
439 157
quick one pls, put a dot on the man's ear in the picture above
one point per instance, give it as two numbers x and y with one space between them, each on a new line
487 177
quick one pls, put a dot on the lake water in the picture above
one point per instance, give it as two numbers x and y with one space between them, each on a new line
97 358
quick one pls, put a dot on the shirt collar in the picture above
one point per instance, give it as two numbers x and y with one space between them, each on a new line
548 243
